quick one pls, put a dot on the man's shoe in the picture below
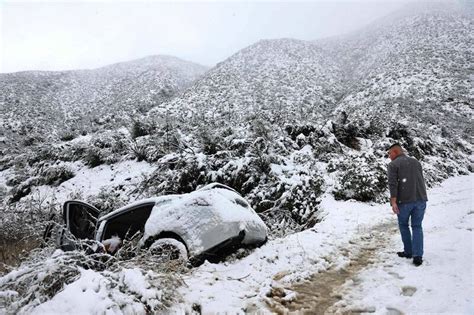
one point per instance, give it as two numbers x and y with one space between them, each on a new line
417 260
402 254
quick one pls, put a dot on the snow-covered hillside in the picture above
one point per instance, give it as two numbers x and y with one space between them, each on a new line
414 66
69 103
284 80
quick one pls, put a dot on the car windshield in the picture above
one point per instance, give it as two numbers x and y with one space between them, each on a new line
127 223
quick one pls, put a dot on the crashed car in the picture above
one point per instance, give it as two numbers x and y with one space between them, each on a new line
208 223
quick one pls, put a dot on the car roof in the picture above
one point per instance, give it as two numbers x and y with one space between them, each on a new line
161 198
137 204
217 186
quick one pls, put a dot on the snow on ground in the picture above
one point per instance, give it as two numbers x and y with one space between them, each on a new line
91 180
444 283
3 177
387 283
3 181
243 285
92 293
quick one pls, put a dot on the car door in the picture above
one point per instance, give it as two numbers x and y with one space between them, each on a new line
127 222
80 219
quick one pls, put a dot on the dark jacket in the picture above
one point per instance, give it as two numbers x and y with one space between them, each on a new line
405 179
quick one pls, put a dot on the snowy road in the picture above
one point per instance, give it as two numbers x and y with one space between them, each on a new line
312 297
377 281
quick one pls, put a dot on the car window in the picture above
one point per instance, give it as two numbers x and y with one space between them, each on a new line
241 202
127 223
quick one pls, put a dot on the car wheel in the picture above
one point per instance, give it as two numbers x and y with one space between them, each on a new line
169 248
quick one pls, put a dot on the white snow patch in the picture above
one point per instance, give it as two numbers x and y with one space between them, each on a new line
89 294
90 181
444 283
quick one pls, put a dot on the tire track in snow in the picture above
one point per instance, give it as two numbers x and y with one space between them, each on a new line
321 291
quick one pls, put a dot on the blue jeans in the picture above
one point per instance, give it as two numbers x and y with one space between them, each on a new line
415 210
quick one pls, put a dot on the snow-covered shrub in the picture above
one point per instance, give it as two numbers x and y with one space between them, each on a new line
16 238
36 282
141 127
402 134
324 144
22 225
159 138
32 139
41 153
17 178
291 204
238 174
280 223
3 192
93 157
294 131
363 178
255 167
210 142
148 148
132 281
290 196
176 174
302 198
140 149
108 199
67 135
74 150
260 126
106 147
23 189
55 175
347 135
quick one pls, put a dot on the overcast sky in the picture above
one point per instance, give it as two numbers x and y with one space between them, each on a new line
60 35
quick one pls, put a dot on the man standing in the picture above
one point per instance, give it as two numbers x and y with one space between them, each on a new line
408 200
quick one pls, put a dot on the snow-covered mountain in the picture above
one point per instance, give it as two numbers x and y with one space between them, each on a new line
78 100
285 80
409 78
414 65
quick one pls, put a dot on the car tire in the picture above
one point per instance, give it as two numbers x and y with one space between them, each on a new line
169 249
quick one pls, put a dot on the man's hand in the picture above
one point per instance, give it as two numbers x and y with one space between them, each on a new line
395 209
393 202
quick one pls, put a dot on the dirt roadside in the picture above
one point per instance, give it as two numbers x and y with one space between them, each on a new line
320 293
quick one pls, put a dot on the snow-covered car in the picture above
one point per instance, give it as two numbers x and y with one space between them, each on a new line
205 224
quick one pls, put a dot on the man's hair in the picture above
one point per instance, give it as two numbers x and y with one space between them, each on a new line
395 145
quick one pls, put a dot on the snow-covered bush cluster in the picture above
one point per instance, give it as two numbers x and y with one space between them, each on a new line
22 226
132 281
363 179
55 175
